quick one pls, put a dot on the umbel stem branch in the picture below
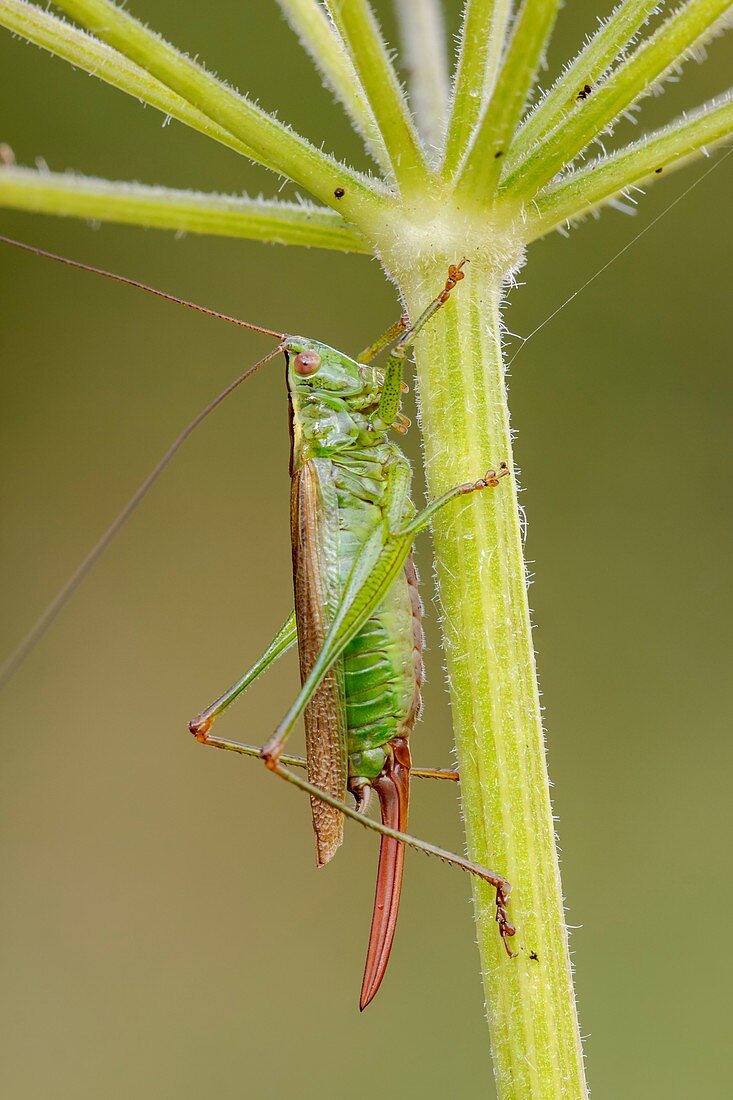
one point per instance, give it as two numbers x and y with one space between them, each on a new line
690 25
277 145
580 192
97 200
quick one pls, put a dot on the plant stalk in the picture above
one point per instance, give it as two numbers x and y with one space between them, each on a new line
482 39
599 53
422 31
493 684
45 192
692 24
576 194
319 38
273 144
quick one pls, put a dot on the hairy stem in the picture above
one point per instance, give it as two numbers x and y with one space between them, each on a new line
319 37
483 34
422 31
597 56
182 211
688 26
493 683
482 167
492 196
643 162
358 26
274 145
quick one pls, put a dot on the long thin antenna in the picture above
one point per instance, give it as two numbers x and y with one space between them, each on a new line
139 286
24 647
525 339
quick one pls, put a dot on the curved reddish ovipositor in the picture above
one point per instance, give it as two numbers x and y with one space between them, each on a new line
393 791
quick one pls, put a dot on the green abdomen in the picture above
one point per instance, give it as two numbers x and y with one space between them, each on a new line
383 663
382 676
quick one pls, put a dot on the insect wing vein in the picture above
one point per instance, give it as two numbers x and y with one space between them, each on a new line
314 530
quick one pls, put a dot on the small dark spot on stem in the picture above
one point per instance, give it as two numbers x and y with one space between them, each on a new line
498 153
657 171
534 956
339 193
584 92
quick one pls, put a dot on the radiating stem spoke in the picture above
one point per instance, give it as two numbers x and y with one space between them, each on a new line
276 145
645 161
182 211
480 173
423 39
688 26
568 93
92 56
483 35
318 36
358 26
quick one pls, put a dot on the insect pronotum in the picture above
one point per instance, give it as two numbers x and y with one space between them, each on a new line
357 615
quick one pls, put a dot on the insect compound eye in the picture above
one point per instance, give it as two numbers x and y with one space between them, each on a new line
307 362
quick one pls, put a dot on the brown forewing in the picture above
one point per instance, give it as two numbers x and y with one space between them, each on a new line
314 533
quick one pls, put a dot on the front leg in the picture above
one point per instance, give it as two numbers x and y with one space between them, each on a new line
423 519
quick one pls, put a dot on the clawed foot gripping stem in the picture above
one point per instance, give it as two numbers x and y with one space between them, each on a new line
279 763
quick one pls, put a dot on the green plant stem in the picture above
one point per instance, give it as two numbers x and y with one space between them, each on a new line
482 39
604 48
481 169
432 222
493 685
182 211
690 25
358 26
643 162
274 144
422 31
318 36
94 57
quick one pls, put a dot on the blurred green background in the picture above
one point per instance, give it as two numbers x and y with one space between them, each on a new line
164 931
